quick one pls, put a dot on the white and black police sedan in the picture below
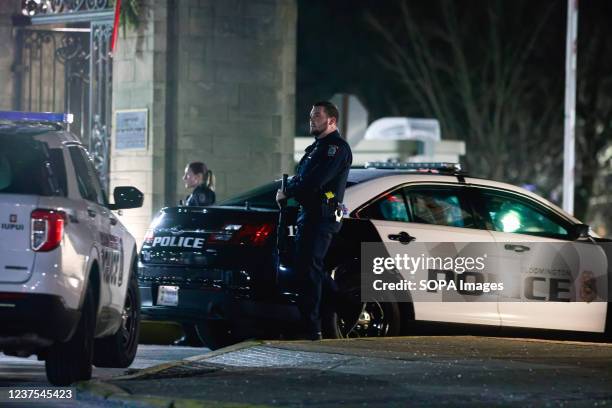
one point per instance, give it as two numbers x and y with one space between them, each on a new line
220 267
68 288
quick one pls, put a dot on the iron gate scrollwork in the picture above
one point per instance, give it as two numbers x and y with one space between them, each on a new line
37 7
67 66
100 97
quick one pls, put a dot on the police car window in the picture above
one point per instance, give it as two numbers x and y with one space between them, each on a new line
438 206
260 197
56 158
95 179
513 214
28 166
389 207
87 180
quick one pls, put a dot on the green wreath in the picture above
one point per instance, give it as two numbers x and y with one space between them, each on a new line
130 14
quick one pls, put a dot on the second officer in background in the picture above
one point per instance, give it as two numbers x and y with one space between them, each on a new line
319 188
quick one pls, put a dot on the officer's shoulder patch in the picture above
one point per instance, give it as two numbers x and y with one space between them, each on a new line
332 150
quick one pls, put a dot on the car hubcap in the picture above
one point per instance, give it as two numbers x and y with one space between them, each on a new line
363 319
128 318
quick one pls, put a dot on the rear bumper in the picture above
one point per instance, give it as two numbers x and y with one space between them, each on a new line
32 316
196 305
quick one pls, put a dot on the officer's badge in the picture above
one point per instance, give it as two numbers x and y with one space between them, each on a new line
332 150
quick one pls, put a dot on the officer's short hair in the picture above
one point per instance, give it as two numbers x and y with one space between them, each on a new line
330 109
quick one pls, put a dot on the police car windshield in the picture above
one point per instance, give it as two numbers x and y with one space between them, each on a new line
260 197
28 166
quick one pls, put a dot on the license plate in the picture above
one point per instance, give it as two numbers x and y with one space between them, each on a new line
167 296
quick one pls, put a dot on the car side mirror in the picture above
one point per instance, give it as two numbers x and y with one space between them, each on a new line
126 197
580 231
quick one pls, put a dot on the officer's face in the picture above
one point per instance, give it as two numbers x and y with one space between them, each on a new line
319 121
191 180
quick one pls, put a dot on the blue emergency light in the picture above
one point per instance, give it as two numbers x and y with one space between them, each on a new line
36 116
397 165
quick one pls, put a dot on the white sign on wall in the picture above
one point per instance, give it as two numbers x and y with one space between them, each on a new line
131 129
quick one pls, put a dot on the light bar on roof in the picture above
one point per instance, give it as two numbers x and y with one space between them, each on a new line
432 166
36 116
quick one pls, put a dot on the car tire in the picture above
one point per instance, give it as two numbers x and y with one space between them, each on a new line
350 317
71 361
215 334
119 350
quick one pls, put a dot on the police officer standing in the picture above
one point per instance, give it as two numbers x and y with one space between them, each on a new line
319 188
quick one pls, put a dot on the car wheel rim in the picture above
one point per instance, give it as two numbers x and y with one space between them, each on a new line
128 318
362 319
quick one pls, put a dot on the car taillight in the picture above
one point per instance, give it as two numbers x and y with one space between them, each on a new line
47 229
243 234
148 239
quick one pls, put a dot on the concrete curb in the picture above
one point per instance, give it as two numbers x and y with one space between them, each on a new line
111 392
161 367
551 341
228 349
391 338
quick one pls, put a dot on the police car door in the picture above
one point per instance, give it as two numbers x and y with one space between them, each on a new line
541 266
425 213
98 216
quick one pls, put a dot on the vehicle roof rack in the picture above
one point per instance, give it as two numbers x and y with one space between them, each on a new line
46 118
444 168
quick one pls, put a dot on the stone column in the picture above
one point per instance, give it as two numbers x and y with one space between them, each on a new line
140 82
218 79
236 90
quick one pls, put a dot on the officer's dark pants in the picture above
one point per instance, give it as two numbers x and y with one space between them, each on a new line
314 235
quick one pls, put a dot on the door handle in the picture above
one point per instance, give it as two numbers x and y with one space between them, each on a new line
91 213
403 237
516 248
113 221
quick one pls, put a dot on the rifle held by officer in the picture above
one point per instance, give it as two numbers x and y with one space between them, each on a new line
281 239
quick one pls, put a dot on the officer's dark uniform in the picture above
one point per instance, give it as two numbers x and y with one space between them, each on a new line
201 196
319 188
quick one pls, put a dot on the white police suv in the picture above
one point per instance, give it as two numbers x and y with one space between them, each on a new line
219 267
68 288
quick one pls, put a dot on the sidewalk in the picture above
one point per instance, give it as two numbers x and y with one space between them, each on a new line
411 371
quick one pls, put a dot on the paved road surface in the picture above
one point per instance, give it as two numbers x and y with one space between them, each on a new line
20 372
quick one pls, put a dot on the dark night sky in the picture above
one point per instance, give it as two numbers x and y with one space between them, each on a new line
338 51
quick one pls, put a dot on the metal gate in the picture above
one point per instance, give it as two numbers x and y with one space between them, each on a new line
64 64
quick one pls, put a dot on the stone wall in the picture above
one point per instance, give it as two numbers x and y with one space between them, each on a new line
236 90
218 80
140 82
